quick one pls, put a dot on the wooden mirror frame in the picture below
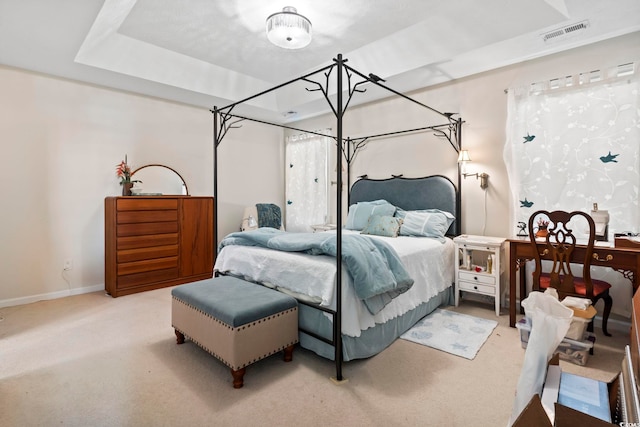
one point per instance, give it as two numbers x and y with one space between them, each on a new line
166 167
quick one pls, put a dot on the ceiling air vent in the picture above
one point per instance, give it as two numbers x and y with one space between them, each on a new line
564 31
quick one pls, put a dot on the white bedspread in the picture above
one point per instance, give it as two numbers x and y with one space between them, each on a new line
429 262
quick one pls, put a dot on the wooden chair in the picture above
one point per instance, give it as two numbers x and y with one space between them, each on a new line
560 244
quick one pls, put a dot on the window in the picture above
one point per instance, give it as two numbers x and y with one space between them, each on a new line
573 142
307 182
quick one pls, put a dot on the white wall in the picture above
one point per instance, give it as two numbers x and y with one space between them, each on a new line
61 142
251 170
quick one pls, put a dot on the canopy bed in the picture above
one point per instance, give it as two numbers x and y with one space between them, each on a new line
336 321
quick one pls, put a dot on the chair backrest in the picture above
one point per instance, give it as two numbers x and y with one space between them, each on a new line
560 243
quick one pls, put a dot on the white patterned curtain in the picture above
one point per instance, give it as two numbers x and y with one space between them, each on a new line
307 158
573 142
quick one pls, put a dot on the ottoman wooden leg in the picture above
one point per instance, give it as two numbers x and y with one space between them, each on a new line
238 377
179 337
288 354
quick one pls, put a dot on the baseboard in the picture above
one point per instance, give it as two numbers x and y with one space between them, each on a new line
52 295
617 324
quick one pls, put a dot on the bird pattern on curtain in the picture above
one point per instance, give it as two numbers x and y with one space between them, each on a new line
570 147
306 181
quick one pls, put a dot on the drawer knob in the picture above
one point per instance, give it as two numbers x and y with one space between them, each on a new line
475 287
475 277
609 257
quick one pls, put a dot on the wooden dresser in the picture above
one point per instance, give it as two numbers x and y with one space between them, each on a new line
154 242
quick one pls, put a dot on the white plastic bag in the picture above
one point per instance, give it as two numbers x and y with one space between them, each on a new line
550 321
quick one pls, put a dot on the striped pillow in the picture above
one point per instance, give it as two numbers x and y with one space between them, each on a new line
427 223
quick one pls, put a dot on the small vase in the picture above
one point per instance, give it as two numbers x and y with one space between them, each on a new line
542 232
126 188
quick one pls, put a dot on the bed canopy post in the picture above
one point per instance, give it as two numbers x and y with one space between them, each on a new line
216 142
458 130
337 324
349 142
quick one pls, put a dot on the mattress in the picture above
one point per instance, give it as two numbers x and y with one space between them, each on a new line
313 278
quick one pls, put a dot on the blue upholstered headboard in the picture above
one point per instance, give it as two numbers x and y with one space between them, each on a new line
431 192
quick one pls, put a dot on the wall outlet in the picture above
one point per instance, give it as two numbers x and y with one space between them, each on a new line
68 265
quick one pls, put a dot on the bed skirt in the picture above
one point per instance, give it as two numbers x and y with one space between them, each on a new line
371 341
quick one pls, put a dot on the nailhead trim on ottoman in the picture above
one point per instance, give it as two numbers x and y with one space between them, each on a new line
236 321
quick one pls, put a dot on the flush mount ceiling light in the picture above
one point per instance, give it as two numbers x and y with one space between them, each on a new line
288 29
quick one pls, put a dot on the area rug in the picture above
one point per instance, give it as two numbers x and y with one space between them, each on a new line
455 333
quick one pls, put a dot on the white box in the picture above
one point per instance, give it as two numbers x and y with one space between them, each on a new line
577 328
574 351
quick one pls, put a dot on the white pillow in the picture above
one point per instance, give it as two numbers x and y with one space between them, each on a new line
426 223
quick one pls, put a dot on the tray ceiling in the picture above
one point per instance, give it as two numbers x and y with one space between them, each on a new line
206 53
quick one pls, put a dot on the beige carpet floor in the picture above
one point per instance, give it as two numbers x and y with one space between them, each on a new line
93 360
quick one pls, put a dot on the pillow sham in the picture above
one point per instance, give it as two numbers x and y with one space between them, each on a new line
378 225
425 223
360 212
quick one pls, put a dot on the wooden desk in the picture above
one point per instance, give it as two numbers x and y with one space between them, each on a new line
624 260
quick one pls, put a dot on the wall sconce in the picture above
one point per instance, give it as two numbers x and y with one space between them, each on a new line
463 159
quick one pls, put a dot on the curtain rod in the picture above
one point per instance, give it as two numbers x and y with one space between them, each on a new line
586 77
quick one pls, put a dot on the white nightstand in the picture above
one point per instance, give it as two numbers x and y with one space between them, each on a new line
323 227
474 272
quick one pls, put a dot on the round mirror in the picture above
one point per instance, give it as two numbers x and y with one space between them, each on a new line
158 180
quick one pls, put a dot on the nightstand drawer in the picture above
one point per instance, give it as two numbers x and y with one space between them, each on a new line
478 278
477 287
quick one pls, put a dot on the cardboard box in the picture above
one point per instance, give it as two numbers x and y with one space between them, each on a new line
534 414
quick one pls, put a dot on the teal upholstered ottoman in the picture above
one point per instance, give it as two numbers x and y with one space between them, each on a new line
236 321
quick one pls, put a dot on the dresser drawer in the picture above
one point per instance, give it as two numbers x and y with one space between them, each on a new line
147 265
139 254
133 242
147 228
147 277
144 204
477 287
128 217
478 278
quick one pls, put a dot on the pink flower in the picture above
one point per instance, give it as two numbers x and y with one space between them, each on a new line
123 171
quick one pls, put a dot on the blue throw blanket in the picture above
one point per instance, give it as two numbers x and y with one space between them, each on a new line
377 272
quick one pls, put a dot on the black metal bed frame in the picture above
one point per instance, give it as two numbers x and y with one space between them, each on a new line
224 120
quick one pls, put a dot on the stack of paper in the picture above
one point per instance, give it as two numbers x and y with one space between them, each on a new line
586 395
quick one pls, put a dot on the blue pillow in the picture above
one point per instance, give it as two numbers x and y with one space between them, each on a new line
388 226
425 223
360 212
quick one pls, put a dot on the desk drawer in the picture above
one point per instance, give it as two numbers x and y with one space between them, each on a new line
477 278
477 287
620 259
